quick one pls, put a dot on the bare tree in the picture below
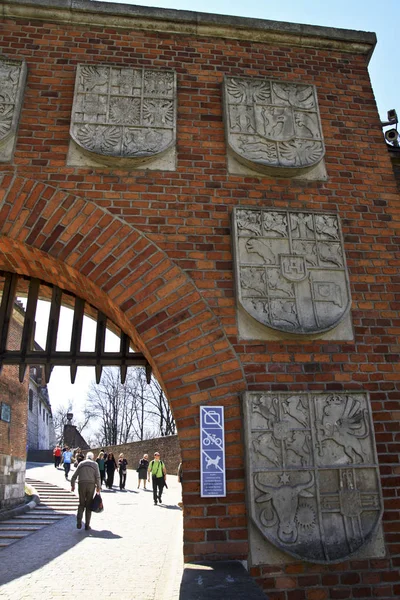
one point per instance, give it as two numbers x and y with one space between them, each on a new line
158 406
114 406
128 412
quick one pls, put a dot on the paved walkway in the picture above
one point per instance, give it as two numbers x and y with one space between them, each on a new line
133 552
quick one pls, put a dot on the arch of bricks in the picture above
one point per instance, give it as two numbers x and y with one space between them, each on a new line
68 241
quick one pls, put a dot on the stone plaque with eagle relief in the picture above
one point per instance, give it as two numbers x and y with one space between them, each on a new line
273 126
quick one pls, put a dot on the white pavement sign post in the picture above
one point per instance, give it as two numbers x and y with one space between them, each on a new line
212 440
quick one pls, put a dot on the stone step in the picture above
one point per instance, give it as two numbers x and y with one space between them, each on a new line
40 522
47 494
50 502
38 519
20 527
56 503
46 498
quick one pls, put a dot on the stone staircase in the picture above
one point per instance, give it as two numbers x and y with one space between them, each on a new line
55 504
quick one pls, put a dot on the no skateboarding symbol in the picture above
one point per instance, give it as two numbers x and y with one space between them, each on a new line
213 482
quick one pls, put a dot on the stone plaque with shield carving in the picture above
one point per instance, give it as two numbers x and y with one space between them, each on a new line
122 112
12 83
291 272
273 126
313 476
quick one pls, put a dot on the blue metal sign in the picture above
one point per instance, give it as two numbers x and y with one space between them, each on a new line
212 450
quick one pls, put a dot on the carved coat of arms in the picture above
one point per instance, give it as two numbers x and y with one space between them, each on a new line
12 81
124 112
273 126
291 273
313 476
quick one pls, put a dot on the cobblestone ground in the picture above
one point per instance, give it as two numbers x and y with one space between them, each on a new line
133 552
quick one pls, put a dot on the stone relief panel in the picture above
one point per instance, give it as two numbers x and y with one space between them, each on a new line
123 114
313 476
291 273
273 126
12 84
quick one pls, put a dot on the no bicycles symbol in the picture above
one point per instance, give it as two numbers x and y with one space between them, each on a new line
213 483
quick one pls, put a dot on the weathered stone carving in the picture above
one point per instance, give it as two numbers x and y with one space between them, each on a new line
290 269
12 83
313 476
273 126
124 113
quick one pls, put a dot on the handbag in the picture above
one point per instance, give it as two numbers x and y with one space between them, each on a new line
97 504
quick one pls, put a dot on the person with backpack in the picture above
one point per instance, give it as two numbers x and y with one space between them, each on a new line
67 457
158 473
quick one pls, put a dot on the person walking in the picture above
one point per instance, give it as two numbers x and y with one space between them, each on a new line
122 463
111 465
57 456
102 466
67 457
142 470
88 475
78 457
159 474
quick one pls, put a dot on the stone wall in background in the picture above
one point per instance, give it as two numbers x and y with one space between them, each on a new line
167 446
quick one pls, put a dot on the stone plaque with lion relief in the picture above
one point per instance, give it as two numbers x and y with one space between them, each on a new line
291 273
313 477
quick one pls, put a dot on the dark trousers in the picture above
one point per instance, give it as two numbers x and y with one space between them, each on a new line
67 467
102 476
86 493
122 480
57 460
110 479
158 485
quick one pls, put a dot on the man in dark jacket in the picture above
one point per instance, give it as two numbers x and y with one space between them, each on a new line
88 475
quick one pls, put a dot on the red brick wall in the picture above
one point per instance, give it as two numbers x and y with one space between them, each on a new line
13 434
153 250
395 157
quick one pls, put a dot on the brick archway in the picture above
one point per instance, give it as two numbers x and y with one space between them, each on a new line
68 241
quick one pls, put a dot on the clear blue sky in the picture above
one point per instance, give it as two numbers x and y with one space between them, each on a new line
382 17
366 15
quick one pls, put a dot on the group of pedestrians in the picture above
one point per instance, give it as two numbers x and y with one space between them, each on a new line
67 457
107 467
157 471
90 473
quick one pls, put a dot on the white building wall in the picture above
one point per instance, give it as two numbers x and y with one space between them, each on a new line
40 423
